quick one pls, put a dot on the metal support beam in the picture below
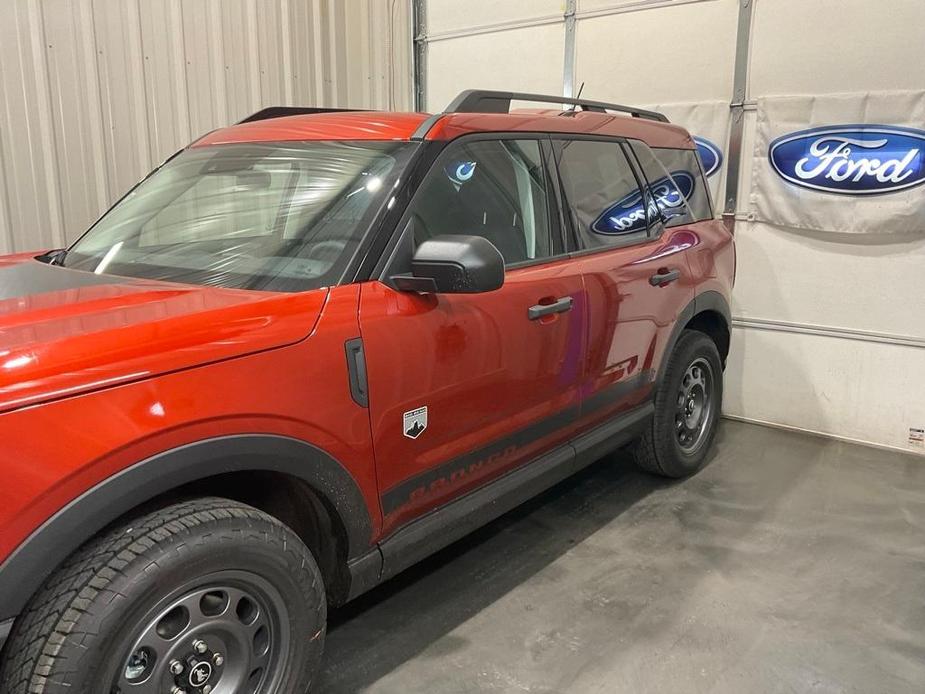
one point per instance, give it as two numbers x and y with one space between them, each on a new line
568 68
419 56
737 116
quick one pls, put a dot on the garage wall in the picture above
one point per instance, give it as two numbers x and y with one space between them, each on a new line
829 330
95 93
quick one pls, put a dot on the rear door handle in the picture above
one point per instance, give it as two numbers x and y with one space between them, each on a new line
559 306
664 276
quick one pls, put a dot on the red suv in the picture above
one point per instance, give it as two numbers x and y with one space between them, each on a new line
314 347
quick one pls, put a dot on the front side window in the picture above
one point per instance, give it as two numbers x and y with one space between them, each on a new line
490 188
604 199
677 184
268 216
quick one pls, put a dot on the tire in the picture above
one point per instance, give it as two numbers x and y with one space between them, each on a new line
248 579
660 449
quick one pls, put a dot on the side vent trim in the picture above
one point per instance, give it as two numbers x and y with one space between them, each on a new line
356 370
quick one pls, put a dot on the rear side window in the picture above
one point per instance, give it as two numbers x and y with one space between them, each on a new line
494 189
603 195
676 181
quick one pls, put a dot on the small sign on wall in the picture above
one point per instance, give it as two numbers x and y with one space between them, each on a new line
916 437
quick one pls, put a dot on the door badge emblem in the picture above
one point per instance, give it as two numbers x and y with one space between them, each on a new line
414 422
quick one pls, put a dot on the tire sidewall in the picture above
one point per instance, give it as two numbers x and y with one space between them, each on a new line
120 610
691 346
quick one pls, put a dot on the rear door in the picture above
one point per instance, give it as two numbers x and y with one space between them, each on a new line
464 387
635 272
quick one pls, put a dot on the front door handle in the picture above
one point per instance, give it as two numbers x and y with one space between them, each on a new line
664 276
559 306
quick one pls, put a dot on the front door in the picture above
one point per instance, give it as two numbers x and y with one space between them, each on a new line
464 387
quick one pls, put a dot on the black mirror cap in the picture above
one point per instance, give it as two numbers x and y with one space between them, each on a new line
454 264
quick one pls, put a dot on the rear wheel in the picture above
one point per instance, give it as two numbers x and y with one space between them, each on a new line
204 597
688 403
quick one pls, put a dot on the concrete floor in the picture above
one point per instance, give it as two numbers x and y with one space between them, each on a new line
791 564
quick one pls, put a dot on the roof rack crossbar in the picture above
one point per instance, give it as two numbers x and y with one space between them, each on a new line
283 111
487 101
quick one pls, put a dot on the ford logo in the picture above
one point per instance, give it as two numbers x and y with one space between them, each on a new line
710 155
851 159
629 214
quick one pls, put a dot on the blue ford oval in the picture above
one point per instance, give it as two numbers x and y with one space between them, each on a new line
710 155
629 214
851 159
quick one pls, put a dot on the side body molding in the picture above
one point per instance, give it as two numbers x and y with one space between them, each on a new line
63 533
706 301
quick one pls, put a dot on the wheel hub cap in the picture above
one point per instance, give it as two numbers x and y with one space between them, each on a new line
693 413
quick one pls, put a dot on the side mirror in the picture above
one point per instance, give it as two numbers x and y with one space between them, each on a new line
454 264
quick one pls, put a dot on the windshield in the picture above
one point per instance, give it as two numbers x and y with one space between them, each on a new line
269 216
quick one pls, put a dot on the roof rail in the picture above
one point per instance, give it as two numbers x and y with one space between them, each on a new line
283 111
486 101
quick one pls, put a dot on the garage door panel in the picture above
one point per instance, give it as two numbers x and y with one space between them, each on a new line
622 57
857 390
829 279
444 17
486 61
628 5
801 47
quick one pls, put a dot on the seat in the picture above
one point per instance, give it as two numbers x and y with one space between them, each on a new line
491 208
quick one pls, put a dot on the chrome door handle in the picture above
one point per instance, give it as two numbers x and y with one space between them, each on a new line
560 306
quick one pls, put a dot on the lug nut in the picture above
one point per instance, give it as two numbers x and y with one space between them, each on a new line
176 667
218 659
177 690
200 646
207 689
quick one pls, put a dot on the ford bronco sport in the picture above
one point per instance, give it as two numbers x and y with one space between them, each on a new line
314 347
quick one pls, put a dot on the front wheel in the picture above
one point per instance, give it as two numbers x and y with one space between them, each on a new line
203 597
688 403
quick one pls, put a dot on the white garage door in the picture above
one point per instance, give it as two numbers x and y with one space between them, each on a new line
829 306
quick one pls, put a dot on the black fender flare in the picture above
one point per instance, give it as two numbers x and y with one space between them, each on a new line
62 534
707 301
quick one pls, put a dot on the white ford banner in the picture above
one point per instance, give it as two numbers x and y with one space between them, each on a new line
841 163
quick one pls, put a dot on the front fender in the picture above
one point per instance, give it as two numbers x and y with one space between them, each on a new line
62 534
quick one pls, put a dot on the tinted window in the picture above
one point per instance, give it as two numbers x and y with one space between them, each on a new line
603 195
494 189
677 184
281 217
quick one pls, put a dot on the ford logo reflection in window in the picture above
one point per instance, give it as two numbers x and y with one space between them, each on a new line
628 214
851 159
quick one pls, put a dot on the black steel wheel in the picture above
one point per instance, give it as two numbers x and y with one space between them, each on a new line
218 634
204 597
688 402
694 412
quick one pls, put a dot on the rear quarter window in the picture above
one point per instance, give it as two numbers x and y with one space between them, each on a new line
677 183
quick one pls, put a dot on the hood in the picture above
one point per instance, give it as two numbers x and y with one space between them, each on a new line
66 331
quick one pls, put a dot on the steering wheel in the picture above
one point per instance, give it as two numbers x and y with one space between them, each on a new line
315 249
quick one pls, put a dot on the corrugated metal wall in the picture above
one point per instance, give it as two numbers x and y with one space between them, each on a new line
95 93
